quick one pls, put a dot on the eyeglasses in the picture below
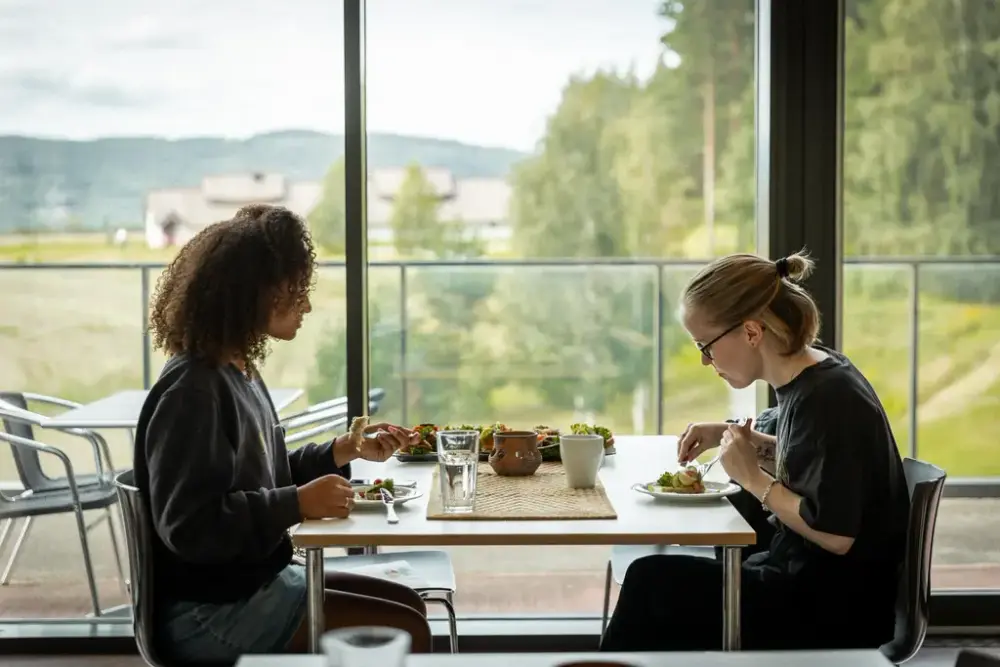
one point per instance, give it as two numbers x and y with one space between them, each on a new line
706 349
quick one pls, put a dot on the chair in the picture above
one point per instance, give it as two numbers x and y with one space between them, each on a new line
622 556
18 421
74 498
925 484
139 541
433 566
28 465
970 658
333 408
321 418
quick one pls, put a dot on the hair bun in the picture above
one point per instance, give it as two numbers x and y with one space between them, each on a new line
796 267
782 266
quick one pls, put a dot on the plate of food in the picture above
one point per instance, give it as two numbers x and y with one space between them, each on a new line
685 486
592 429
425 450
370 495
548 442
486 438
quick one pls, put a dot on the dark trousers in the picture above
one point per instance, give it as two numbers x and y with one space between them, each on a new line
674 603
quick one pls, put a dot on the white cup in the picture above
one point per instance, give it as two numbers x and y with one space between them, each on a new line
582 456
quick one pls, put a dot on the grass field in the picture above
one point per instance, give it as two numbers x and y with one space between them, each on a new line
79 334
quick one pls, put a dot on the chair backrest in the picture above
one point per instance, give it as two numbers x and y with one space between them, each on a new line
970 658
139 541
26 459
925 483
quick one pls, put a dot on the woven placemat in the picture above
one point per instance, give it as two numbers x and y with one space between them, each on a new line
543 495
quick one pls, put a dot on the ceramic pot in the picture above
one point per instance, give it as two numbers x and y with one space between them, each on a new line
515 453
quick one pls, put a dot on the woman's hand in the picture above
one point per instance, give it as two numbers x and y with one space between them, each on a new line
698 439
327 497
739 456
387 439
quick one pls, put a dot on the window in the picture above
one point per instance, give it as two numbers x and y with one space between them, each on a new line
921 240
541 182
132 126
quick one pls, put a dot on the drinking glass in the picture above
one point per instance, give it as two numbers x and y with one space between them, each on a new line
366 646
458 463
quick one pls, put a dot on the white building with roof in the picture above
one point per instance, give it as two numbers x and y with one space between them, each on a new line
174 215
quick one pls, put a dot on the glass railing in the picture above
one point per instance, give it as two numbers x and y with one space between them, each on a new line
528 343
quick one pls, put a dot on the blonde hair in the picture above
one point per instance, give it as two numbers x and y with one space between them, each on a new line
743 287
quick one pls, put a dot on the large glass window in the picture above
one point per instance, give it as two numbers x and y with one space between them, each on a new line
542 178
922 239
126 128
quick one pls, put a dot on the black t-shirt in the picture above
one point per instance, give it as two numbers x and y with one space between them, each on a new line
837 451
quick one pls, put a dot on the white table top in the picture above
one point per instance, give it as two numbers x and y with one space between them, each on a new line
121 410
641 519
738 659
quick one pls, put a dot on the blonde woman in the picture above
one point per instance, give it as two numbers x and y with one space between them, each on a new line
832 480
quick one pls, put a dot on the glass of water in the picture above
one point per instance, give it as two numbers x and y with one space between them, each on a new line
366 646
458 463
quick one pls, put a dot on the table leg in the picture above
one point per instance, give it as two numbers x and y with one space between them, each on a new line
315 588
731 569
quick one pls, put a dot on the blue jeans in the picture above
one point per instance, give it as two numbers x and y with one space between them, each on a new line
263 623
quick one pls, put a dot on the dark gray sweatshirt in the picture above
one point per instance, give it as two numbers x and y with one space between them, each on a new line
210 458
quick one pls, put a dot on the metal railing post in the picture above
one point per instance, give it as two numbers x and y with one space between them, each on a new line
147 364
403 315
658 354
914 388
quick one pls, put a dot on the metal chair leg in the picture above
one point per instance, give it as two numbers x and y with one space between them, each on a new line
449 605
87 563
114 546
5 577
7 523
607 599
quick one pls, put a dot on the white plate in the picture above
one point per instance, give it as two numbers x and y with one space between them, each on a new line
713 491
402 494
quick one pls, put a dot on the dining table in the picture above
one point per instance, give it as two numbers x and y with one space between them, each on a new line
845 658
121 410
641 520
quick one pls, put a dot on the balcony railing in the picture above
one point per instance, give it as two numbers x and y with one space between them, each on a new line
926 313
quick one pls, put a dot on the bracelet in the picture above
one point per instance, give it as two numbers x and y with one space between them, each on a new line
767 491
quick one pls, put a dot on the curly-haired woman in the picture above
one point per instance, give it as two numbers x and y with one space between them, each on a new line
210 456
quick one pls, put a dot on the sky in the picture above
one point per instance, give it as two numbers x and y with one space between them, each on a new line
486 72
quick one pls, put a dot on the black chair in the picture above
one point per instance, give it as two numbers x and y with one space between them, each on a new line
139 540
44 496
435 566
29 467
970 658
925 483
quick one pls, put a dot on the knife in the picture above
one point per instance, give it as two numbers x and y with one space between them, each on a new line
388 501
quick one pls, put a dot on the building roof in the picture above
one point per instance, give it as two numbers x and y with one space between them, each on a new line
472 200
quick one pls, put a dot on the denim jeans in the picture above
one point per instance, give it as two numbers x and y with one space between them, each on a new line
263 623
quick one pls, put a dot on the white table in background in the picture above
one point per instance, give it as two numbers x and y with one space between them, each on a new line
641 520
121 410
749 659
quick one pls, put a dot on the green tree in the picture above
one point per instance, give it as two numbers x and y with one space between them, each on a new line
418 227
326 220
922 136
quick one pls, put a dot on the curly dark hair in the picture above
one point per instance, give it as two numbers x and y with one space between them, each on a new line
216 297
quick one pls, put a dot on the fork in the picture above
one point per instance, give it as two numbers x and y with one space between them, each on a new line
703 468
388 500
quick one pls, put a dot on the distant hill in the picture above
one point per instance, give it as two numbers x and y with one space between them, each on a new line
59 184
